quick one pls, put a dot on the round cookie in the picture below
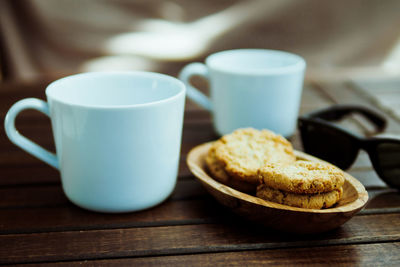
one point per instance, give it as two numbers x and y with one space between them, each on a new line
243 152
307 201
218 173
303 177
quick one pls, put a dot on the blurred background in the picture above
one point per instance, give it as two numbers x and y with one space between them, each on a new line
338 39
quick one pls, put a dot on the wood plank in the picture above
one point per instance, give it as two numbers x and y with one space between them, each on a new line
383 199
384 93
368 178
312 98
362 162
49 209
360 255
185 239
72 218
347 94
51 195
32 196
197 116
34 171
37 172
35 86
375 84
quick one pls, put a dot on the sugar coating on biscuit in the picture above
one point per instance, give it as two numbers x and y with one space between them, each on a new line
245 151
307 201
303 177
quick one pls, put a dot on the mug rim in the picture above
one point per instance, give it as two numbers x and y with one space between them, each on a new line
298 65
179 84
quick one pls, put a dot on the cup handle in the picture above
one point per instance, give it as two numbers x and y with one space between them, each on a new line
22 141
194 94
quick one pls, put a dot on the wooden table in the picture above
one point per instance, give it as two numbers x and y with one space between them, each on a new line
39 225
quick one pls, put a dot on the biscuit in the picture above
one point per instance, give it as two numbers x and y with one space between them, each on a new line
243 152
218 173
307 201
303 177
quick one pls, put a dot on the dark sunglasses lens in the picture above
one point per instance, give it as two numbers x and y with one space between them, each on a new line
329 144
388 163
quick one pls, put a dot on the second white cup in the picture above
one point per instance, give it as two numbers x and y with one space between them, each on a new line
256 88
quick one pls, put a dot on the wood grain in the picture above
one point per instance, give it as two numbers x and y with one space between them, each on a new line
64 218
52 195
185 239
49 210
360 255
346 94
23 169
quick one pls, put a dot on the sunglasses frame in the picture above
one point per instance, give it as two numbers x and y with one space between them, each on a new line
322 118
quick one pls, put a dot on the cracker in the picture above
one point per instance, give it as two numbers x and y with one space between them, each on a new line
218 173
303 177
307 201
243 152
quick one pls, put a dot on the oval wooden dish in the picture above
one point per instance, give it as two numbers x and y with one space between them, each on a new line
274 215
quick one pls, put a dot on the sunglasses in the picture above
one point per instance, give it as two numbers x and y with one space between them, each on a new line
330 142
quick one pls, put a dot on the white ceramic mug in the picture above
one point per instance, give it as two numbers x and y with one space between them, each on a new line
117 137
256 88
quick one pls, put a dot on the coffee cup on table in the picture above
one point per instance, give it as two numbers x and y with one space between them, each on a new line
256 88
117 137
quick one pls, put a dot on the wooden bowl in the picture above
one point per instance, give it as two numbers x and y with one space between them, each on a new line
278 216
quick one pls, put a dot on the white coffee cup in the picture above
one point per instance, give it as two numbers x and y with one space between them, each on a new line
117 137
256 88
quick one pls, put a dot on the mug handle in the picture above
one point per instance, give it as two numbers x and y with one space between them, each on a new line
22 141
194 94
